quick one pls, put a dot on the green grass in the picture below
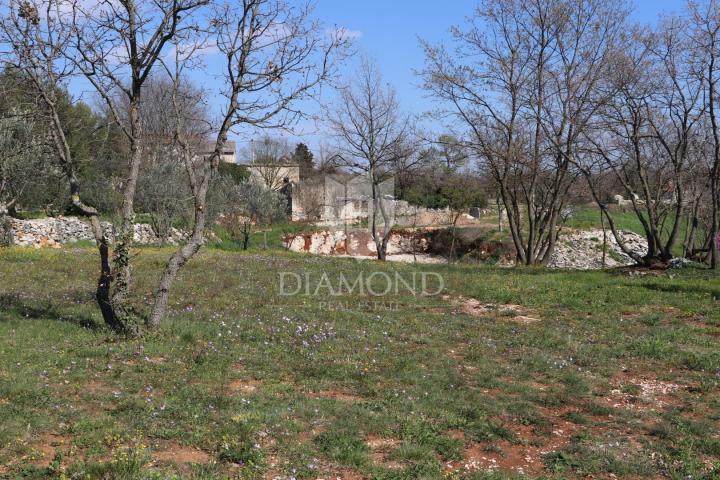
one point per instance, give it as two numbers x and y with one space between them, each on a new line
262 238
249 383
589 218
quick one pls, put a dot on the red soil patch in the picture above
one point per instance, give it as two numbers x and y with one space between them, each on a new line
271 473
170 452
524 319
509 312
517 458
341 395
524 457
381 448
96 387
44 449
308 436
513 458
246 386
468 368
457 352
155 360
643 394
342 474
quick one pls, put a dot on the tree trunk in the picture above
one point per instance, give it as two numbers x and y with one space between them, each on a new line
602 225
176 262
714 253
104 283
714 239
121 279
246 236
379 241
452 242
102 293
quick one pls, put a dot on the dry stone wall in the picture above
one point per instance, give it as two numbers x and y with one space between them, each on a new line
55 232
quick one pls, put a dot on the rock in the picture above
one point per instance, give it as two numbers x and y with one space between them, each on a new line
679 262
582 250
357 243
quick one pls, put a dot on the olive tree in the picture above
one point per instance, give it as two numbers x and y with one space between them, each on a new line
118 47
22 159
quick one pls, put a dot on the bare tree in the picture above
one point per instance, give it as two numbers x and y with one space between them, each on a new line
647 133
276 56
705 17
372 135
270 157
521 87
326 161
39 41
117 46
268 71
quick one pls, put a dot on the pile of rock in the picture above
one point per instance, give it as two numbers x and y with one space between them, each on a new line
54 232
583 250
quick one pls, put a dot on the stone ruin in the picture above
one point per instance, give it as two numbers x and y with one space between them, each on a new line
337 199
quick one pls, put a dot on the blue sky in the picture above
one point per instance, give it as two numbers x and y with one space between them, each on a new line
389 30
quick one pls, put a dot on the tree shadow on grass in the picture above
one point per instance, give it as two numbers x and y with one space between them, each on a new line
14 306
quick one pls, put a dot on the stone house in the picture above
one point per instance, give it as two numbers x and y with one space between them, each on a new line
275 175
228 153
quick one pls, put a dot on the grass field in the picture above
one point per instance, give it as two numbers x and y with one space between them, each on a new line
586 217
506 373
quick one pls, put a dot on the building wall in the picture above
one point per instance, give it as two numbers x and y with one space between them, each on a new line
274 174
228 157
